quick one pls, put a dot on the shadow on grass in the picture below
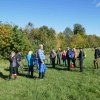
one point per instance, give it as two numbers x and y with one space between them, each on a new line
22 74
6 69
3 76
27 76
62 68
19 74
57 67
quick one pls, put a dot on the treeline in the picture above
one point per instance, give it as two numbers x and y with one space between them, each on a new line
13 38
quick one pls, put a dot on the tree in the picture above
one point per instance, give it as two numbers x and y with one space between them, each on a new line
28 27
68 34
79 29
61 41
44 35
78 41
12 38
93 41
5 32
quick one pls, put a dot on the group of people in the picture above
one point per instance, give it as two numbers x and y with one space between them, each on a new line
68 58
39 60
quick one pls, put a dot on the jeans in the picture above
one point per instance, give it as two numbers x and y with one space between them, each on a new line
81 65
53 62
30 70
68 61
58 60
64 62
41 71
13 70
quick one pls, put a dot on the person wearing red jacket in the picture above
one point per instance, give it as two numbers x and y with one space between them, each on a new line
64 57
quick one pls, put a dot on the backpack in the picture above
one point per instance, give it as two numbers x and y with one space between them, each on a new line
71 54
19 57
98 52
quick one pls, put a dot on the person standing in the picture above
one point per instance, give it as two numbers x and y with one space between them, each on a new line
41 61
68 58
53 57
59 56
74 59
64 58
19 60
81 59
13 65
36 61
30 61
96 56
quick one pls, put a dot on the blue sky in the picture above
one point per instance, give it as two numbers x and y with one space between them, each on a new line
58 14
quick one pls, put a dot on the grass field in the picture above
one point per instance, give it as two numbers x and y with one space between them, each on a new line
59 84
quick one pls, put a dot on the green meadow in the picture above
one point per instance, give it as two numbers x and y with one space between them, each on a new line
58 84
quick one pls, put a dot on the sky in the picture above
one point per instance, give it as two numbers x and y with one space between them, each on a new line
57 14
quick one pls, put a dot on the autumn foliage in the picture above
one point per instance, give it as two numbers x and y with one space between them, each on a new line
13 38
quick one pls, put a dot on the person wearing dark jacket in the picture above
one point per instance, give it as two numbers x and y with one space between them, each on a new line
13 65
68 59
74 59
19 61
96 56
53 57
81 59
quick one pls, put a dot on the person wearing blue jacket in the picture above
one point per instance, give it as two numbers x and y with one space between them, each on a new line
30 60
41 59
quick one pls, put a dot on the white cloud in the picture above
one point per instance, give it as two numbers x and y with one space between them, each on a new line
98 4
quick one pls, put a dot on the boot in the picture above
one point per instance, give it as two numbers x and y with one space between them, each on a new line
42 74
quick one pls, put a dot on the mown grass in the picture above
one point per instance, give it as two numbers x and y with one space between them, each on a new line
59 84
